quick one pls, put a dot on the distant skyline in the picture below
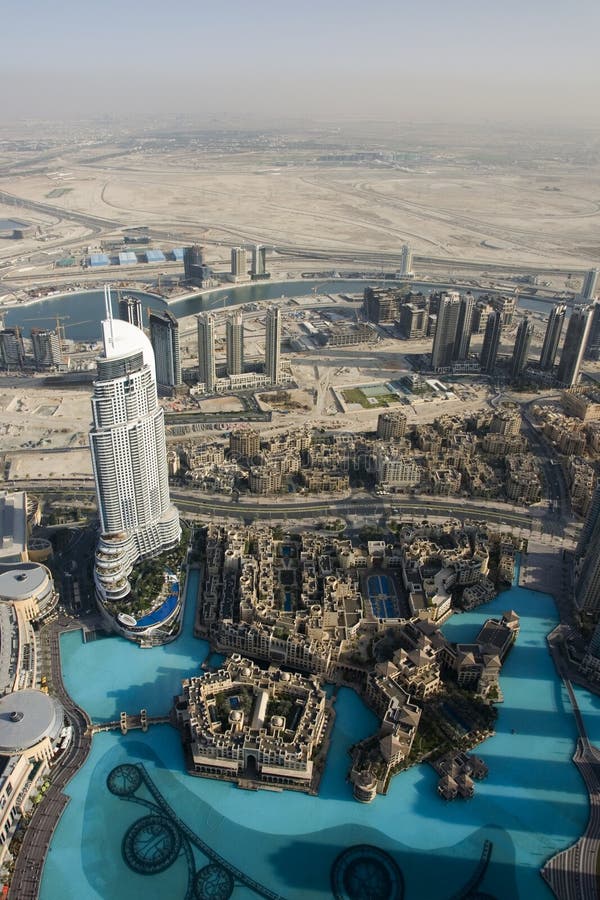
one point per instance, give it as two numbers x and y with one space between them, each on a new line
534 61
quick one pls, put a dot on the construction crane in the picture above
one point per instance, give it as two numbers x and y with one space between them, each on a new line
60 331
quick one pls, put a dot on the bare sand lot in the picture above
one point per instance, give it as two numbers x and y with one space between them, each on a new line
502 199
41 466
221 404
34 417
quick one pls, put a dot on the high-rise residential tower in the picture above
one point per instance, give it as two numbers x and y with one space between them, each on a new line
259 261
522 345
129 460
234 330
406 262
164 337
273 345
206 351
554 329
239 262
12 349
573 349
590 285
130 310
442 352
592 349
47 349
491 342
193 264
462 340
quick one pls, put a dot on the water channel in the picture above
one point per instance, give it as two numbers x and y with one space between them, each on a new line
84 310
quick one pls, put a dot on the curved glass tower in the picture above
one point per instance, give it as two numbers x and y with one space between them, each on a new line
127 442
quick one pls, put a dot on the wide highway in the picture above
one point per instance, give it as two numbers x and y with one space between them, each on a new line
357 506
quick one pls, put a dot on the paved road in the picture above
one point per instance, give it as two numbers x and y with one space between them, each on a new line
537 519
360 506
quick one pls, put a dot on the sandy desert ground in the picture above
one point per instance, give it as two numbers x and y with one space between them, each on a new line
504 203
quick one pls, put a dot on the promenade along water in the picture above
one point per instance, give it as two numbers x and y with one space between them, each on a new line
532 804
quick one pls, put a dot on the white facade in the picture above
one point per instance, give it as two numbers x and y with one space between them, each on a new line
406 261
129 459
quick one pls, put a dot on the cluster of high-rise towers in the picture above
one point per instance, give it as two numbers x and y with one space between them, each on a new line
582 339
199 273
234 329
164 337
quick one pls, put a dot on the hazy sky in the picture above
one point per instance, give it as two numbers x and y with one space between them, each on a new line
428 59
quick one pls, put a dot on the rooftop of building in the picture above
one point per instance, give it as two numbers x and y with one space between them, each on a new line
26 718
13 526
22 581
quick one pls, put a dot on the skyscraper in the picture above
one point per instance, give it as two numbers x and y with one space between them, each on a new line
259 261
47 350
554 328
491 342
206 351
462 340
273 345
12 349
522 344
574 347
164 337
129 459
130 310
590 283
235 344
239 262
592 350
193 265
406 262
587 586
445 331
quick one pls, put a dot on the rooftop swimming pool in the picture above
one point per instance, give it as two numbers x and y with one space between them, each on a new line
137 825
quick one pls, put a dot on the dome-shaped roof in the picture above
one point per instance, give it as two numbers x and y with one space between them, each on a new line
26 717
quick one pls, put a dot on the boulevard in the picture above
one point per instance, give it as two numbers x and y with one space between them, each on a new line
536 519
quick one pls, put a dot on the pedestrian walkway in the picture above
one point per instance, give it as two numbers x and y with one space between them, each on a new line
27 875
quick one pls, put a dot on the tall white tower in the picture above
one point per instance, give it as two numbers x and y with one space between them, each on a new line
273 345
129 459
406 262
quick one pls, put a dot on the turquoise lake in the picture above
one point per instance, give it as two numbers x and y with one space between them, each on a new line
409 843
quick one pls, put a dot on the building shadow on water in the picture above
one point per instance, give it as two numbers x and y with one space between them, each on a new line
364 864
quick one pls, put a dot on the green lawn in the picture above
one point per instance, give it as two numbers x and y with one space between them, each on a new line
357 395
